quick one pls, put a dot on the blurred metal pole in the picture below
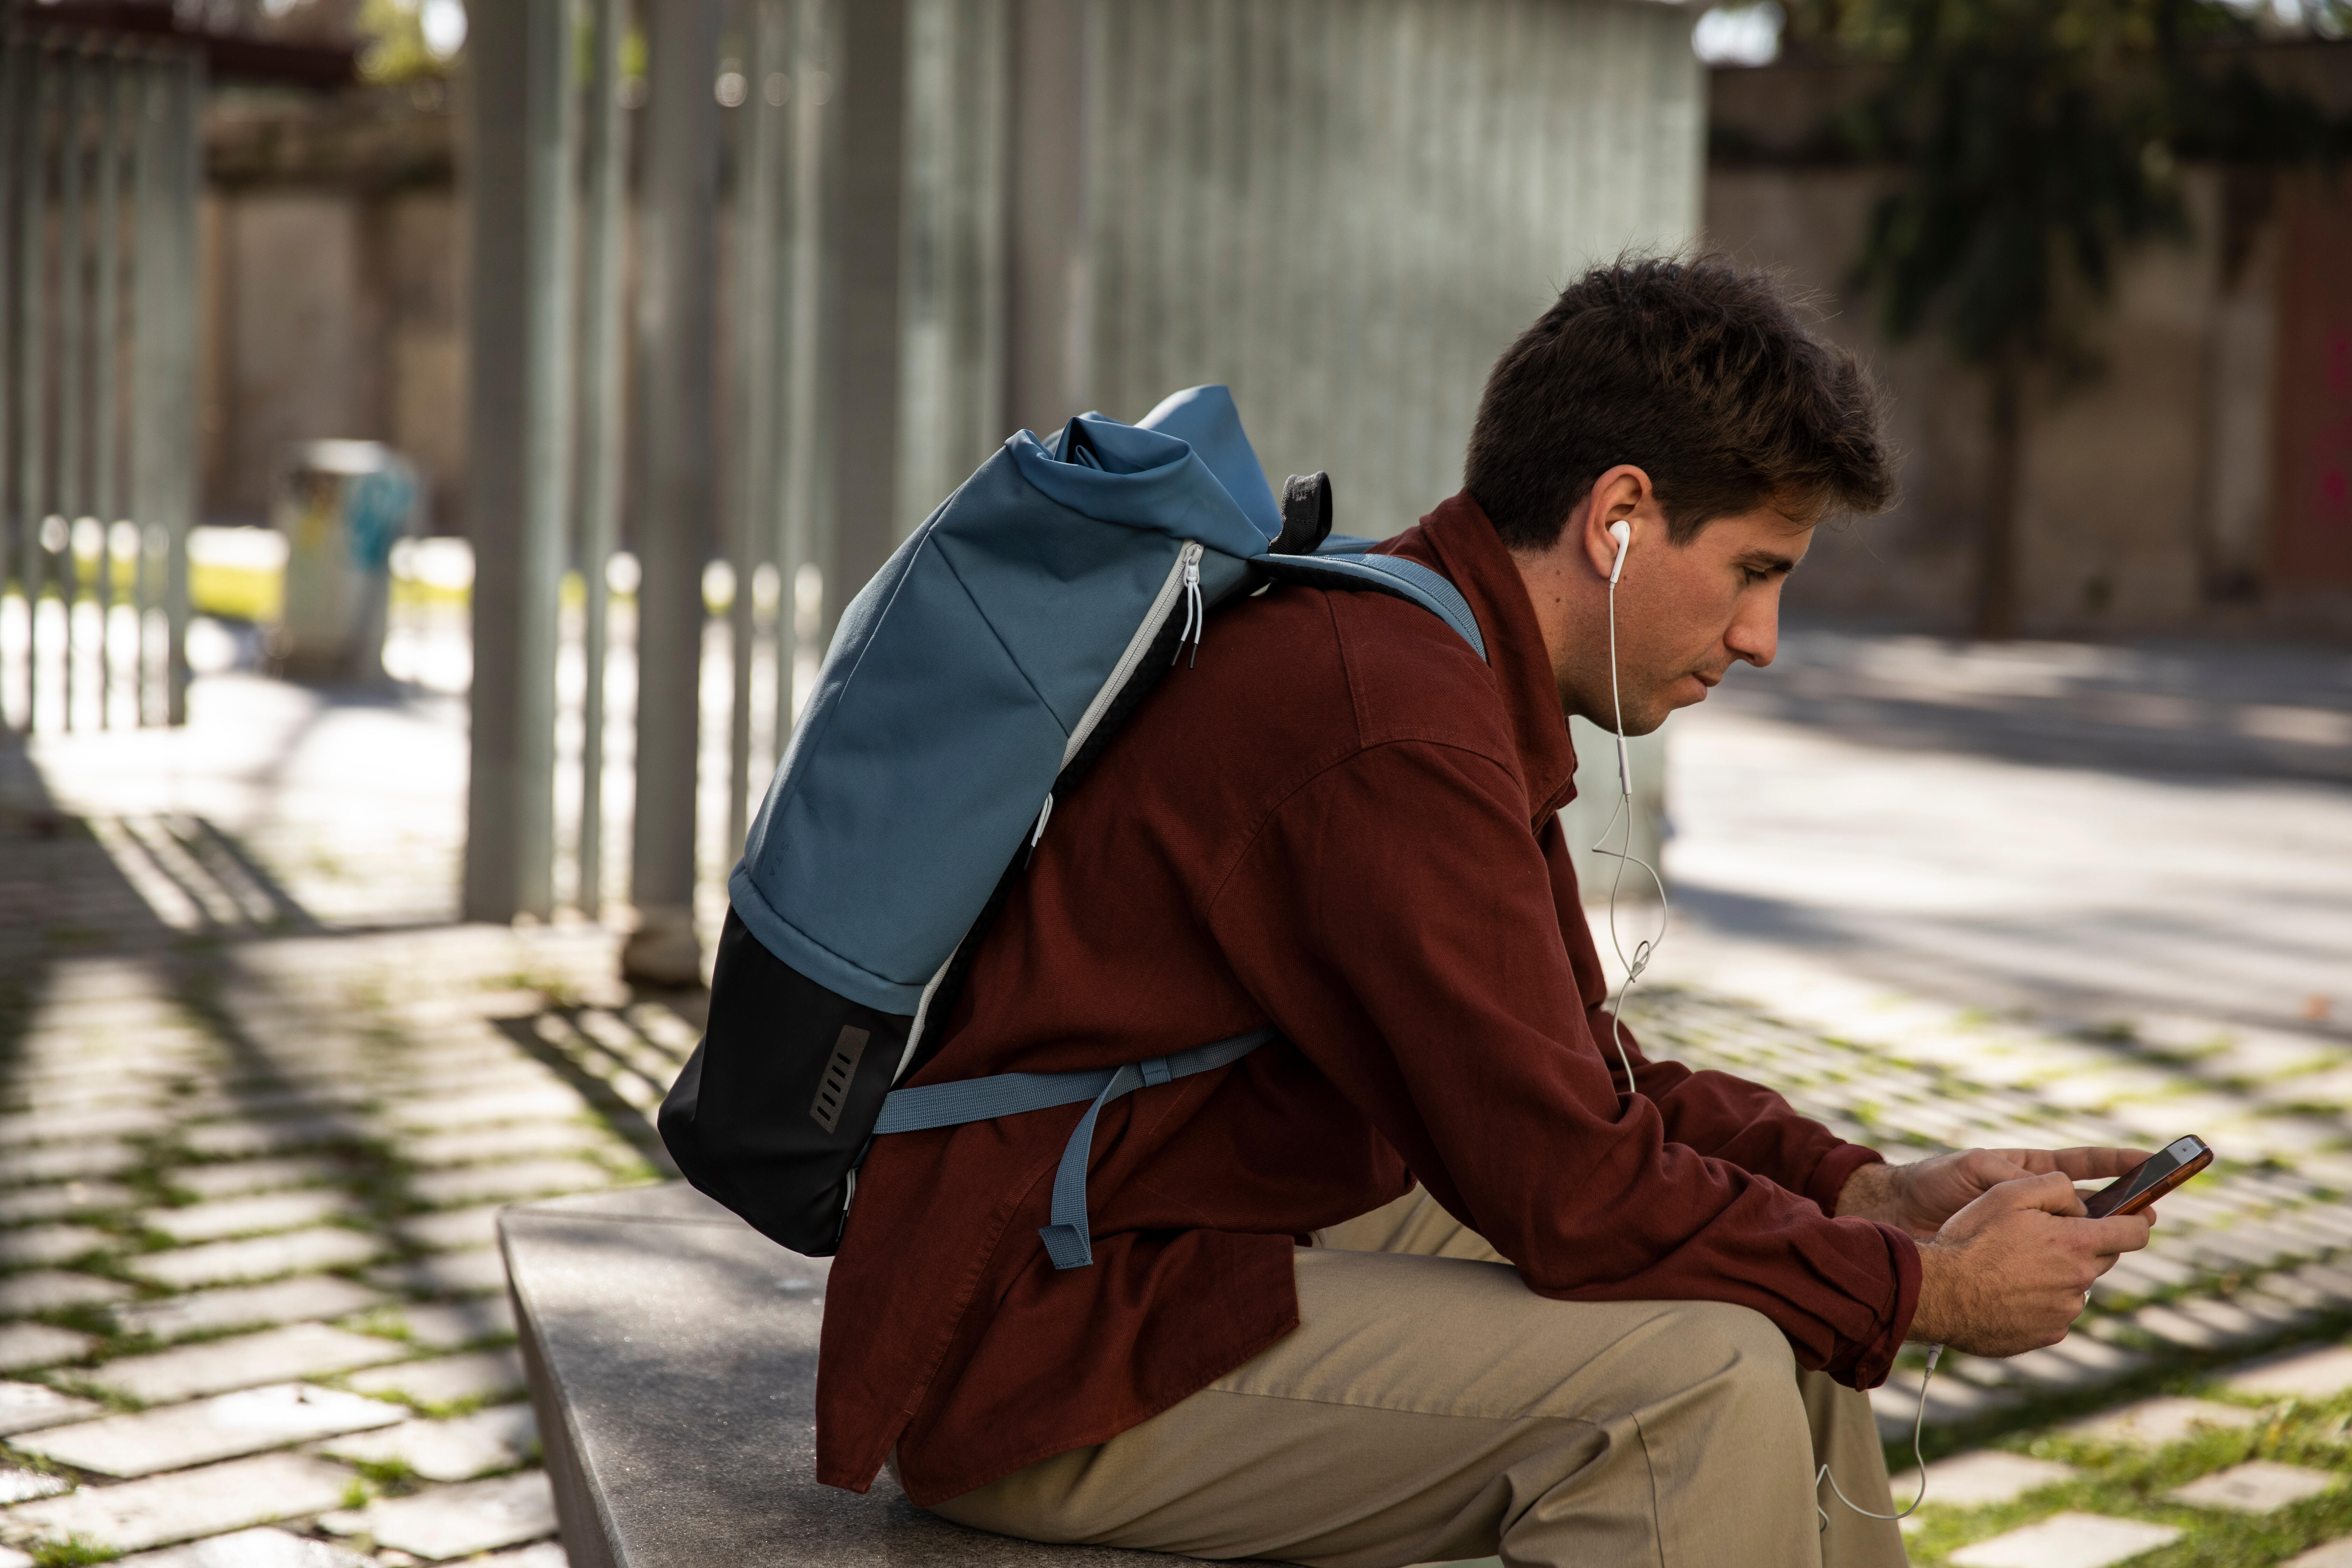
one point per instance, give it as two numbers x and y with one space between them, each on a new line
864 455
1047 231
601 413
115 101
806 492
34 325
759 160
164 345
14 96
677 250
519 468
73 349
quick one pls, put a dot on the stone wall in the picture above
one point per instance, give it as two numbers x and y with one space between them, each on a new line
333 260
2150 491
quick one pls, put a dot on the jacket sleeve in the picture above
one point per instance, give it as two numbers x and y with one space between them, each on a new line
1416 958
1714 1113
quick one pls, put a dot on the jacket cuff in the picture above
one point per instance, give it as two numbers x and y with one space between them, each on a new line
1877 1358
1829 1177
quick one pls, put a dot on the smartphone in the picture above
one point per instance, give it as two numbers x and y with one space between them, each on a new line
2151 1178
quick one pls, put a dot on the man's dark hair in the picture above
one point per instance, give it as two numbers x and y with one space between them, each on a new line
1695 371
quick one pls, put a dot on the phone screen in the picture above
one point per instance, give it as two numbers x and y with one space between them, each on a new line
2174 1164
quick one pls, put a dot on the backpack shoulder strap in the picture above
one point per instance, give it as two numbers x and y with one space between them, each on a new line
1390 574
1309 551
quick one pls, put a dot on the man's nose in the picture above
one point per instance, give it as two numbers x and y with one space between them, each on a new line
1755 634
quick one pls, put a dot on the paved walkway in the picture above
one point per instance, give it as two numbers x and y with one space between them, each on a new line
258 1104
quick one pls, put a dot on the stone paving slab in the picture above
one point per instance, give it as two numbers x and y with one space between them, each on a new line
444 1274
67 1161
554 1101
2258 1486
451 1325
185 1504
2333 1554
445 1380
38 1244
507 1142
28 1406
250 1216
235 1140
452 1230
2154 1423
2314 1374
240 1177
2067 1541
262 1548
457 1449
24 1205
456 1521
306 1298
26 1127
216 1366
23 1486
518 1179
47 1290
546 1554
224 1426
24 1346
1987 1476
261 1257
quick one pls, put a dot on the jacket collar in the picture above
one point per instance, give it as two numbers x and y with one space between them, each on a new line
1457 540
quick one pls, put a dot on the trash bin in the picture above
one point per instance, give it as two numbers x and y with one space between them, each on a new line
342 505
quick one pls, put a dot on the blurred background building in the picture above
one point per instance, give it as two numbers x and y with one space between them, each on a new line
684 312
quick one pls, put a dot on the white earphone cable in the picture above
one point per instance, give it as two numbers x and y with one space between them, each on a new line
1935 1353
1644 952
1644 949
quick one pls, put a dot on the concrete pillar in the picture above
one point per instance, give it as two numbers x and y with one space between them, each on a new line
164 318
674 522
1045 308
873 120
602 430
520 178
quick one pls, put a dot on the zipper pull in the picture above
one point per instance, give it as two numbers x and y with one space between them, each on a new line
1040 831
1196 617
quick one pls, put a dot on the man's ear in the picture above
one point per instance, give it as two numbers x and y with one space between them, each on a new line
1622 494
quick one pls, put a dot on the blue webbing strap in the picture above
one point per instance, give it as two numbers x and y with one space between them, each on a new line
1008 1094
1405 579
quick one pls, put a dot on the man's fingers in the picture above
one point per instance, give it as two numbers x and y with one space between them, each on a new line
2090 1165
2118 1234
2054 1192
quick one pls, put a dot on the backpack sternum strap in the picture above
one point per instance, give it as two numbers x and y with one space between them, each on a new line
1008 1094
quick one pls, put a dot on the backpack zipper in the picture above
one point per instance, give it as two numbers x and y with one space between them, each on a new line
1196 619
1186 565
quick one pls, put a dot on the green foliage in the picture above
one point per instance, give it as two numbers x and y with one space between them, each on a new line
73 1552
2041 139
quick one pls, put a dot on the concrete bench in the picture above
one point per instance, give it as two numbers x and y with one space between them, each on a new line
672 1356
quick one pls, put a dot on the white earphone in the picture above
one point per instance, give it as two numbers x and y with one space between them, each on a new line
1622 530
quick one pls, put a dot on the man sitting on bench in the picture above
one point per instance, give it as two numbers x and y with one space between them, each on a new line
1427 1282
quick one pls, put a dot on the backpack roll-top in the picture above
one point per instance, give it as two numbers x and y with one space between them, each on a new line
975 678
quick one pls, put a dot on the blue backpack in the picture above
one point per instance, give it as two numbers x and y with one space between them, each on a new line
976 678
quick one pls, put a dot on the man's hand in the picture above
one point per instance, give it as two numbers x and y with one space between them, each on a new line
1922 1197
2010 1272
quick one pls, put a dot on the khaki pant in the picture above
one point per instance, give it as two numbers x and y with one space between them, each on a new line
1430 1407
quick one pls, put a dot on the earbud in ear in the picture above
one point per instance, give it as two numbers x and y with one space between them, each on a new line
1622 533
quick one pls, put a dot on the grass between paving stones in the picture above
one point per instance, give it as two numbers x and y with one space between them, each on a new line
2134 1483
2178 1369
73 1552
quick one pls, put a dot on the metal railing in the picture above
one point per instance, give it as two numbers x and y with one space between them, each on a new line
99 171
873 236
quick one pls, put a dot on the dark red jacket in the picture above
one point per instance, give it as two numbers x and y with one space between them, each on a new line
1341 822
